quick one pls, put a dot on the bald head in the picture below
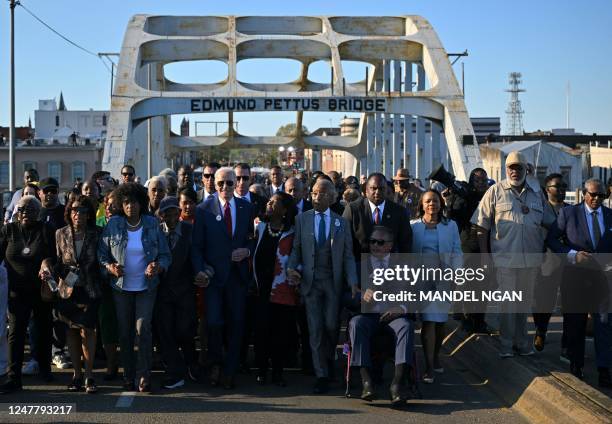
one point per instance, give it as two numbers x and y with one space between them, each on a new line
295 188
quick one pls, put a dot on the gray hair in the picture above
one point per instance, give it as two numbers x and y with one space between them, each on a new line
226 169
331 188
594 181
167 171
29 199
158 179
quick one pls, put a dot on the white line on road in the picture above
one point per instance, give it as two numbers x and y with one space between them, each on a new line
125 400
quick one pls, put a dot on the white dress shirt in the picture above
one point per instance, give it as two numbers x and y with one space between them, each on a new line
246 197
317 222
232 204
381 209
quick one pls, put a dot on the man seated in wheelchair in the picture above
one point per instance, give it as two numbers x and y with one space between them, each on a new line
378 317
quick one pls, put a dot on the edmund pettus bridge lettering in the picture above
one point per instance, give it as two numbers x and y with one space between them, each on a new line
339 104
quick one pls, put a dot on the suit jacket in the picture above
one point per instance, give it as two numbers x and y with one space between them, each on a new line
306 205
270 192
200 194
395 217
259 205
213 246
303 253
571 231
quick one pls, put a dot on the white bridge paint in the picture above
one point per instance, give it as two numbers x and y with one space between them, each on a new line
391 45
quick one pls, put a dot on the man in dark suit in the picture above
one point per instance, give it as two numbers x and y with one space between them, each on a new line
243 182
223 242
208 182
363 327
322 261
295 188
276 180
363 214
581 232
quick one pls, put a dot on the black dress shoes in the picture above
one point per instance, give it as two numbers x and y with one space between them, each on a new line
10 386
604 378
367 392
576 371
228 383
321 386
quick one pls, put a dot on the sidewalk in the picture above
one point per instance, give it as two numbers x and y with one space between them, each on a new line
540 387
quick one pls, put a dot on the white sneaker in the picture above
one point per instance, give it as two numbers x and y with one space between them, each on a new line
439 370
504 355
30 367
527 353
61 362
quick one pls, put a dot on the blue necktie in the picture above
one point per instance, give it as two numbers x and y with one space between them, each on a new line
322 232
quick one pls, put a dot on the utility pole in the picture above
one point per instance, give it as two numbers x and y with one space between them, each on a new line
12 105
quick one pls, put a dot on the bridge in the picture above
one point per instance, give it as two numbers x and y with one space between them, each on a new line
409 82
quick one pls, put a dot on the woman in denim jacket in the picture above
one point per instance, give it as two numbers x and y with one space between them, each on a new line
134 252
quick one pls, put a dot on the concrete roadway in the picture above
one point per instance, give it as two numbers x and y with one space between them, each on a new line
455 397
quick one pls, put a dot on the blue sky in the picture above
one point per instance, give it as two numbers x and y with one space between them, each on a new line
550 41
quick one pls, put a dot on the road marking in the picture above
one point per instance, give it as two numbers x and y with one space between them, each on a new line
125 400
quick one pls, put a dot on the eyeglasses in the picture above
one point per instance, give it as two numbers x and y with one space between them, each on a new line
228 183
127 174
378 242
26 211
242 178
207 176
600 195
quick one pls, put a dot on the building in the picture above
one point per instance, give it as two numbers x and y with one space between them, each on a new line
55 124
546 157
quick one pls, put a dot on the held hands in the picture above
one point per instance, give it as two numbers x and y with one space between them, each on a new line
115 269
240 254
294 277
582 257
355 290
152 270
393 313
201 279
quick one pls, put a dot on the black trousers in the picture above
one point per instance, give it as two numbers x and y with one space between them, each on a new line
274 328
20 306
575 325
176 321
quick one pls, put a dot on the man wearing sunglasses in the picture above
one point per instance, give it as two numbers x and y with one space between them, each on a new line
243 182
52 210
208 182
222 242
583 232
551 270
128 174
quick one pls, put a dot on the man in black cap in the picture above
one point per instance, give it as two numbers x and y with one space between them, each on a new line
52 210
176 300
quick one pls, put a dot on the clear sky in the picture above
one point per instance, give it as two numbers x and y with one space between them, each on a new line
550 41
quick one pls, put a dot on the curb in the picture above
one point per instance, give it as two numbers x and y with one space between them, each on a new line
537 394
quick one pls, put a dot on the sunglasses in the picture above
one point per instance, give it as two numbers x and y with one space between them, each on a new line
600 195
50 190
243 178
207 176
228 183
26 210
378 242
127 174
562 186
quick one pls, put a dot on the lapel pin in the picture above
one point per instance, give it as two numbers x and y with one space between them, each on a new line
218 217
337 224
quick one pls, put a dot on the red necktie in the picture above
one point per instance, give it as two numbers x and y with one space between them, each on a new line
227 214
376 216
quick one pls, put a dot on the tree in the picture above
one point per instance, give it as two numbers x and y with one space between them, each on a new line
288 130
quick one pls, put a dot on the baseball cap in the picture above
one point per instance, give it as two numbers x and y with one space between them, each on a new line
516 158
47 183
168 202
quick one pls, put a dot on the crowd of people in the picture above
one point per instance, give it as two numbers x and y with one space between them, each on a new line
197 272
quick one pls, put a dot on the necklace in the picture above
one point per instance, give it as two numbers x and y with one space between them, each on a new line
274 233
26 251
134 226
